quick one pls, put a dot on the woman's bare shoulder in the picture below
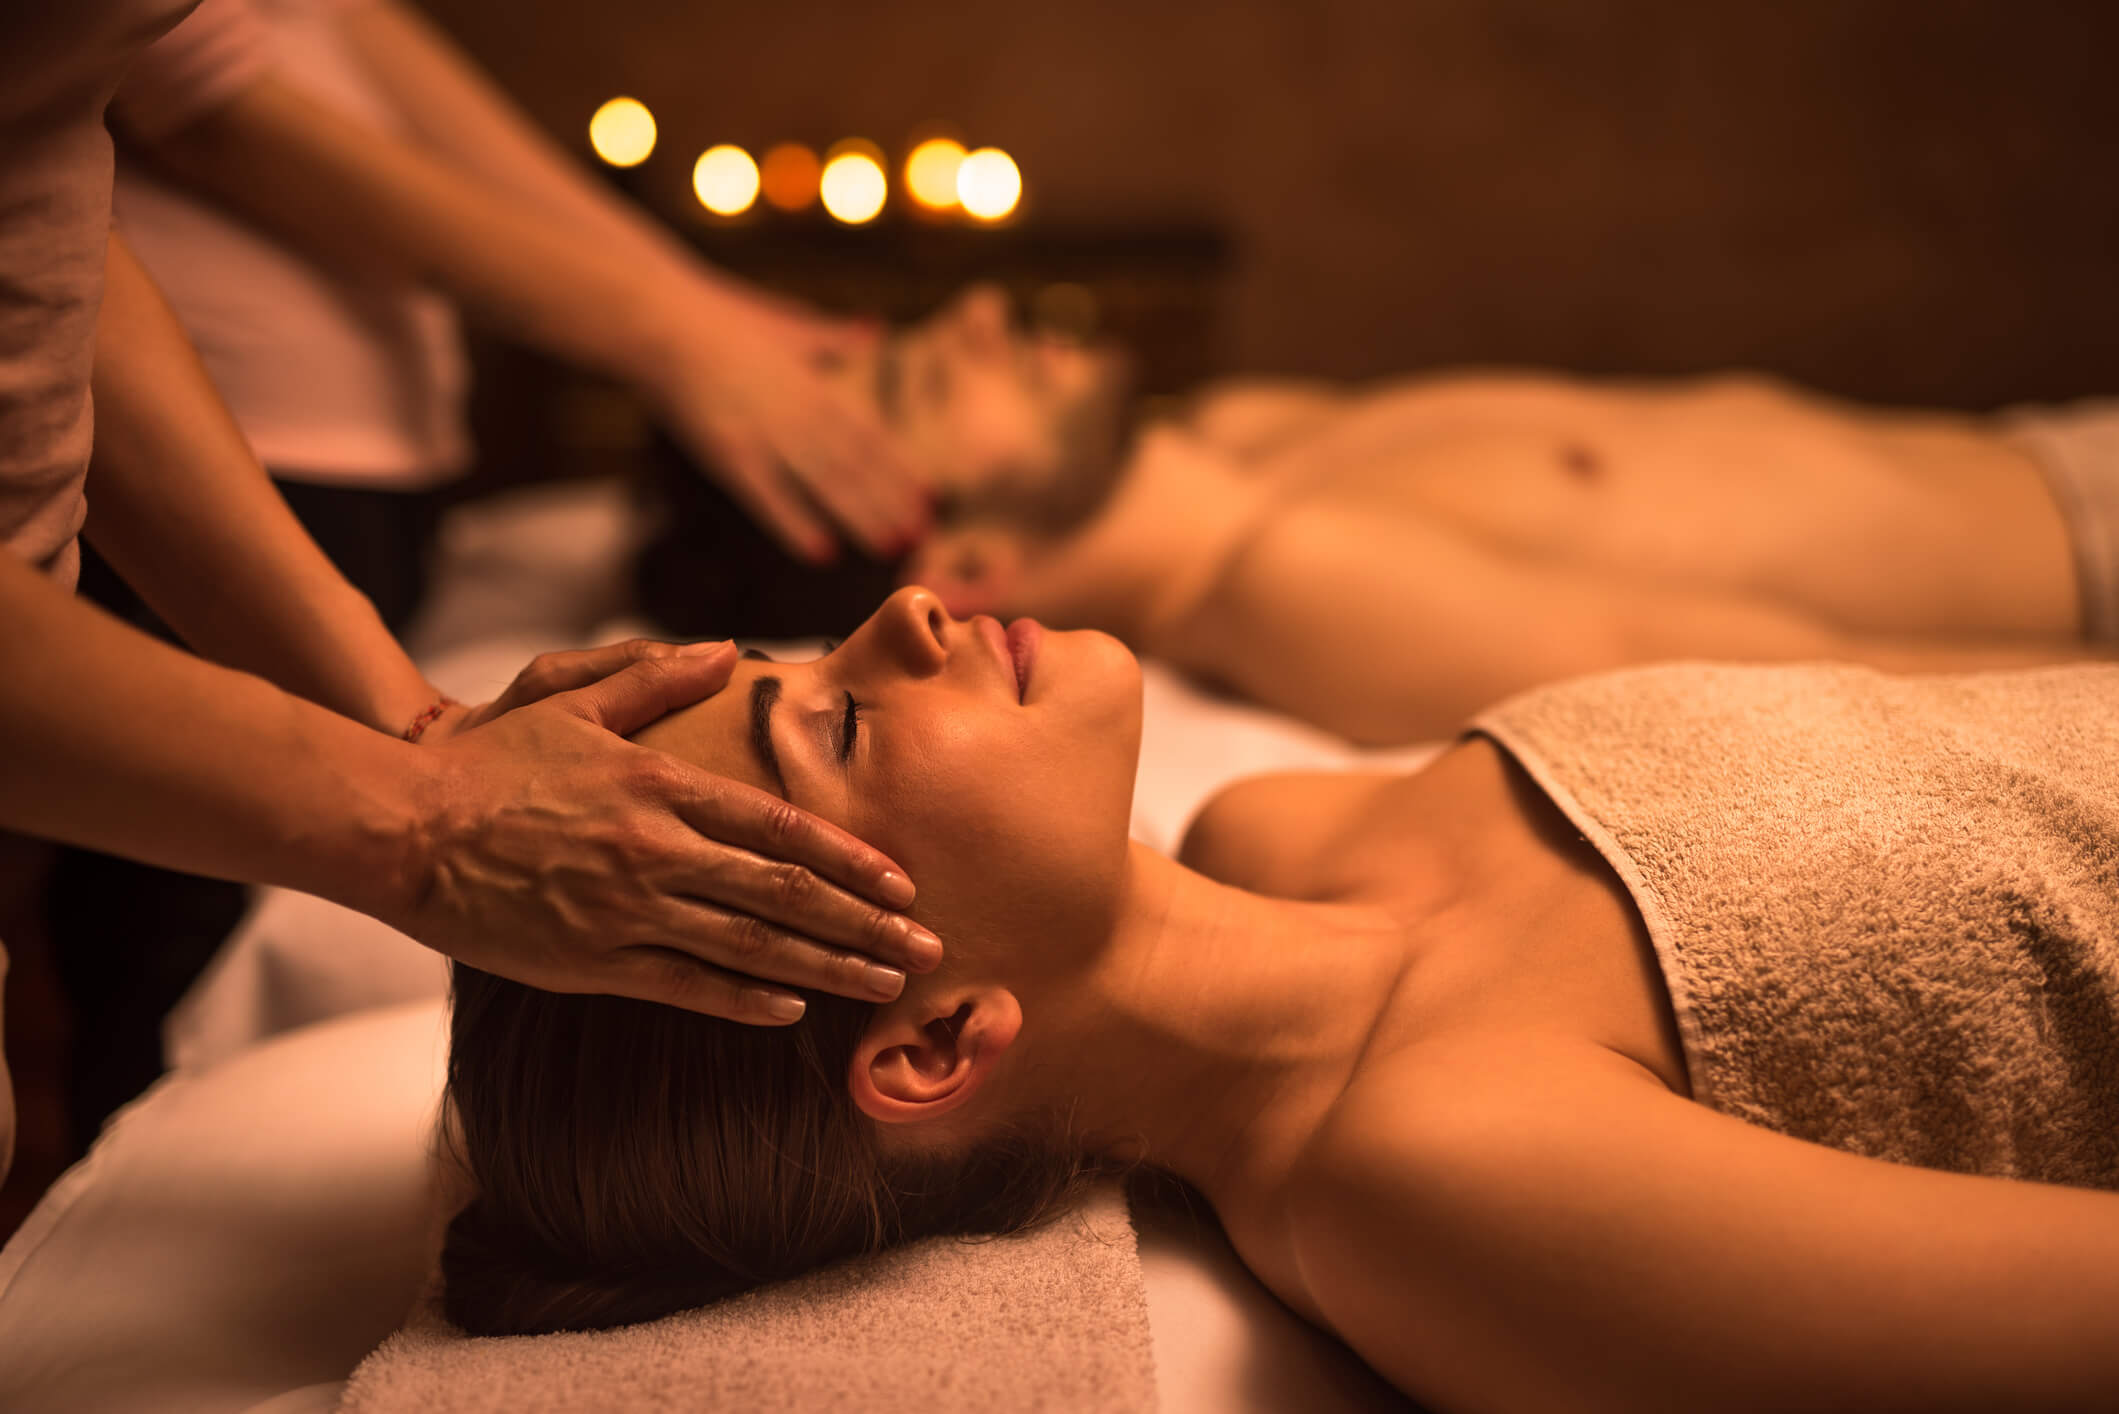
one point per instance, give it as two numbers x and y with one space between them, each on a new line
1269 833
1430 1100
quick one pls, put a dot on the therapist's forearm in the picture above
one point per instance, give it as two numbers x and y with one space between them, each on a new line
118 742
458 113
376 205
181 508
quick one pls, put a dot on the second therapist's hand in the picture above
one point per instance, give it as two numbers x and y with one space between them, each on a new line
746 387
552 851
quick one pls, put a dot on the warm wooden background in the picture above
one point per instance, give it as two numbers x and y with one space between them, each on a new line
1899 199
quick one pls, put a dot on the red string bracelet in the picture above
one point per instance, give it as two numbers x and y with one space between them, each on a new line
425 719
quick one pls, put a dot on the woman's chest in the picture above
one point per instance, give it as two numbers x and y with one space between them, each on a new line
1540 937
1516 925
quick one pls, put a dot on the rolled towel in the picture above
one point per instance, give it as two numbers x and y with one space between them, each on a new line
1051 1319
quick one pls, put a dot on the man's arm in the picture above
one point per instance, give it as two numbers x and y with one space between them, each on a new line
182 509
1250 419
1561 1232
1396 630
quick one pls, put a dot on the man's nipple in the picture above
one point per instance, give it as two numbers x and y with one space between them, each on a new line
1581 461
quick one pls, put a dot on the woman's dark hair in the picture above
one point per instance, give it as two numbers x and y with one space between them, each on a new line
709 571
632 1159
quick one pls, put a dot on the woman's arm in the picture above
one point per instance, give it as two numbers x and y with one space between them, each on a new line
1555 1231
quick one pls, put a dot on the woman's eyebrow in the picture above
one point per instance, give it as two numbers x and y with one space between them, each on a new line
764 692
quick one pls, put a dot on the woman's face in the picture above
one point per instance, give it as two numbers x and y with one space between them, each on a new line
1005 797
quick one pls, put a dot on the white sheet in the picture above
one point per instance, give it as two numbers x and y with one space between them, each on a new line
243 1235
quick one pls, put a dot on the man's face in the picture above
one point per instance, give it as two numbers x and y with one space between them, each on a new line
1023 426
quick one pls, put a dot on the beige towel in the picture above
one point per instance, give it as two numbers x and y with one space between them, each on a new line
1887 908
1054 1319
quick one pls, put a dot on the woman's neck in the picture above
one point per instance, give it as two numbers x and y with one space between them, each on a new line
1217 1028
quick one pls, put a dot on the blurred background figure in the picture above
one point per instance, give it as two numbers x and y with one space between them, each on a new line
1384 559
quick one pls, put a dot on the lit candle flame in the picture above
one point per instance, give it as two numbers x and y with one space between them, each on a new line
853 185
790 176
931 172
623 132
725 180
988 183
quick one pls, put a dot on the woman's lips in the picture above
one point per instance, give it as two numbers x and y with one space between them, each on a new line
1025 637
1016 646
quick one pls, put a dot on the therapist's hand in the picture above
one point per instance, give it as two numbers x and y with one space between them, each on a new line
554 852
564 671
747 387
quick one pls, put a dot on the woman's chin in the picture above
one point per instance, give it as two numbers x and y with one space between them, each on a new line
1089 667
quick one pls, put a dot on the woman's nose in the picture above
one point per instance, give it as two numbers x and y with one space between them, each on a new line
915 628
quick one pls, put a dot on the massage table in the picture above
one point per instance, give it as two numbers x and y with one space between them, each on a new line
240 1237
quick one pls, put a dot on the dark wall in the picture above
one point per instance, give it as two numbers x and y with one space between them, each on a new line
1896 199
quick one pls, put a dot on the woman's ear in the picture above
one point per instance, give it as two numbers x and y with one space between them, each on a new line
972 570
923 1057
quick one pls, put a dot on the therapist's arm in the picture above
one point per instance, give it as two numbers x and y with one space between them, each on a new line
455 111
538 844
542 846
181 508
547 259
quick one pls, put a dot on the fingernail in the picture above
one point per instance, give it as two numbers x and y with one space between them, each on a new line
700 650
896 889
884 983
782 1007
923 947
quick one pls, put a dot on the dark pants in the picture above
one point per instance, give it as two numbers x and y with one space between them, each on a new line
129 938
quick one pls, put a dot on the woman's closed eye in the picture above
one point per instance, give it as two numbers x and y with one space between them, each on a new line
849 729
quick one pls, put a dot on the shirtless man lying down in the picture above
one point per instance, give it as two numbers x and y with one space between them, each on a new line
1496 529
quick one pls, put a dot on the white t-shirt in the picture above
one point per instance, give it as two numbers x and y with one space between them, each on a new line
60 60
333 379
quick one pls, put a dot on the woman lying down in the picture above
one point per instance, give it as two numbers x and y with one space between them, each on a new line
1694 1037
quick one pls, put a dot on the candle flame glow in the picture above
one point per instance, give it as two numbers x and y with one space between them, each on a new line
931 172
725 180
623 132
989 184
790 176
853 185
